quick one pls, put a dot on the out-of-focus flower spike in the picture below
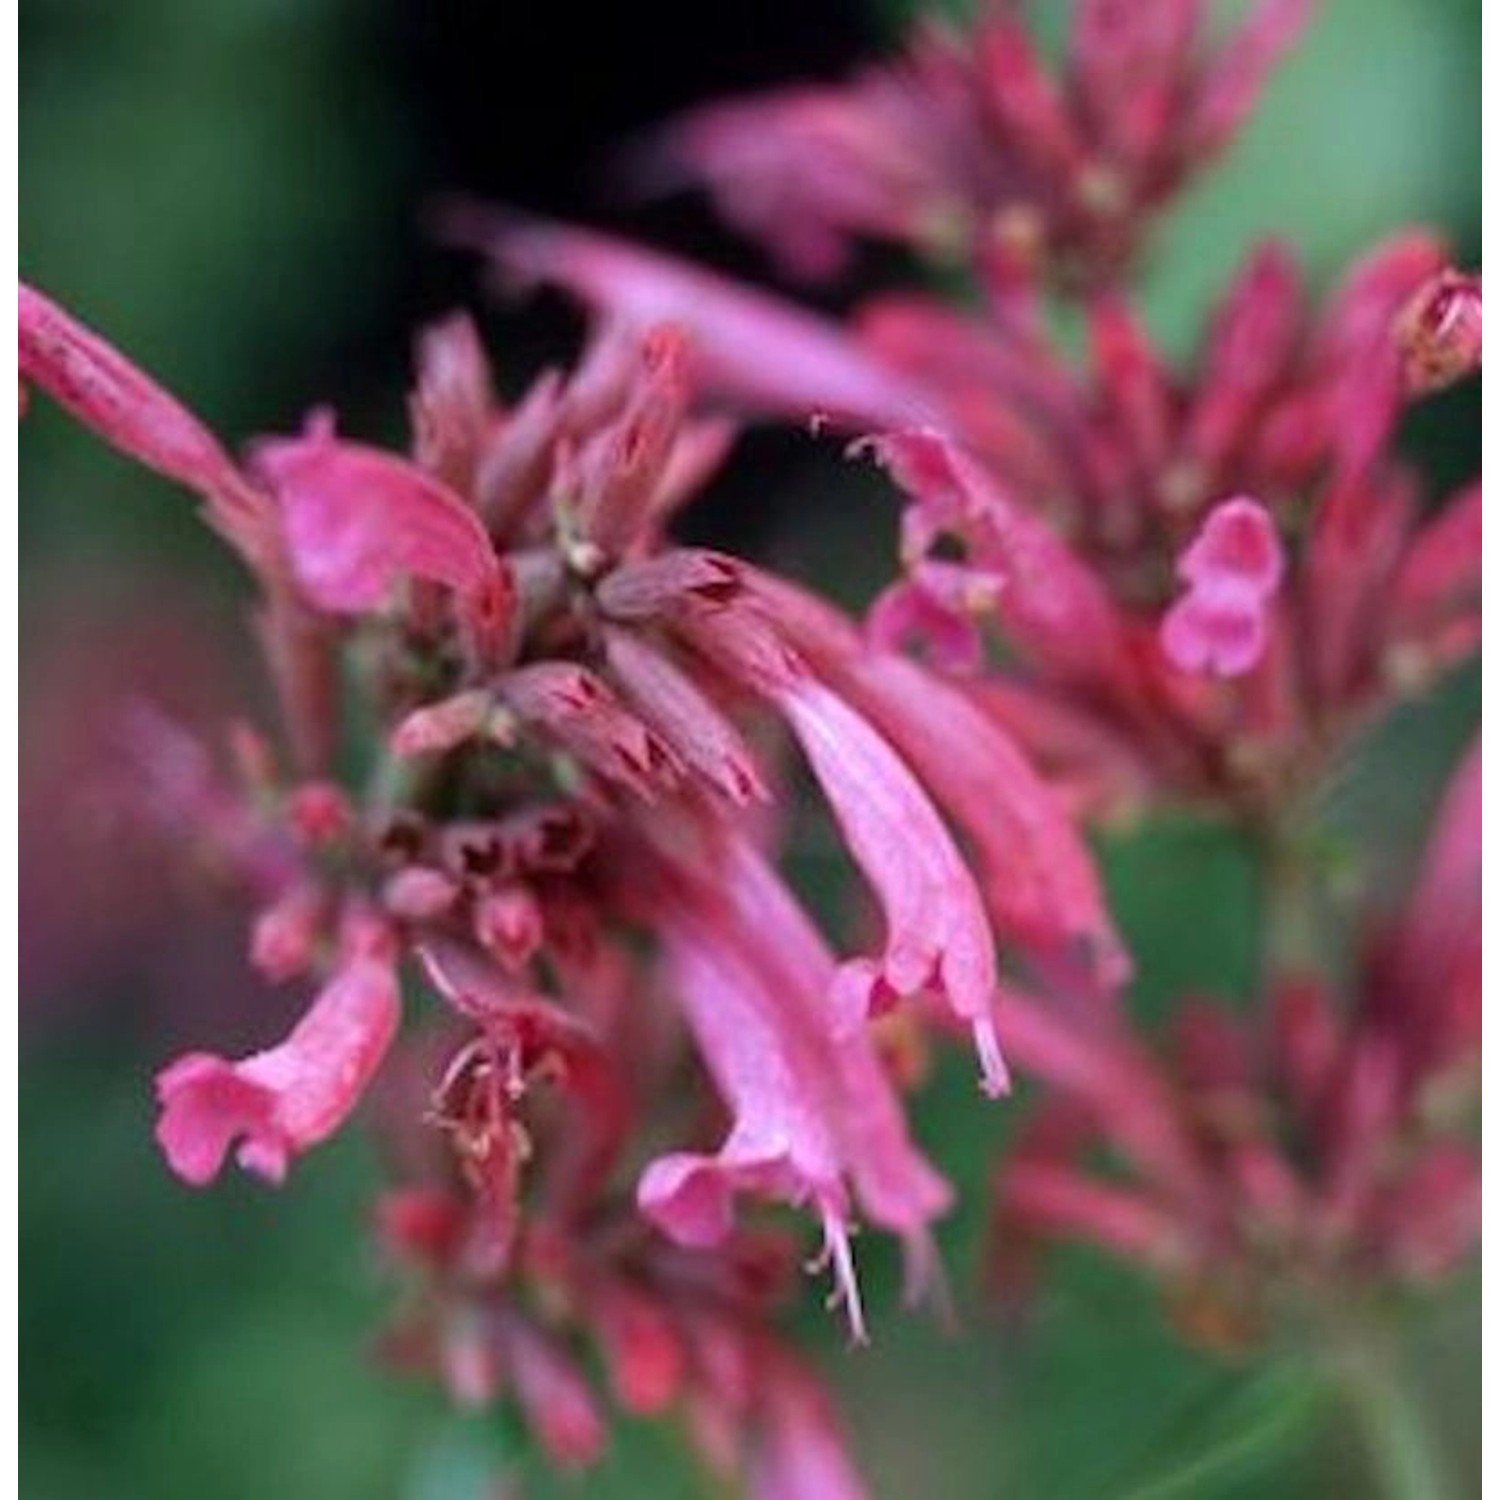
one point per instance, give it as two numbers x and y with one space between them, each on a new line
748 347
559 1405
357 521
1053 1198
1255 334
1436 585
282 1102
798 1452
1020 91
1307 1043
1350 556
1119 1085
1126 66
1432 1216
1134 379
1426 974
1356 1126
1229 90
643 1353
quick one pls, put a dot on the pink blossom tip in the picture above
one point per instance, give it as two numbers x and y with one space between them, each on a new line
1232 569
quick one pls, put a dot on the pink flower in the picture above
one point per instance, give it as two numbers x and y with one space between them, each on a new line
965 147
282 1102
556 1398
109 394
684 716
936 933
759 352
1232 569
782 1143
798 1451
1441 332
358 521
1039 884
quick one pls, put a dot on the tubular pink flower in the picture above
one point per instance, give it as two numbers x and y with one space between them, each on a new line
1039 878
357 521
579 709
752 348
1040 883
106 392
937 935
895 1185
559 1405
657 585
125 407
281 1102
1232 568
782 1142
1052 605
669 700
798 1451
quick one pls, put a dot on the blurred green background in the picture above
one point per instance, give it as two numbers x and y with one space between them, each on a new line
231 189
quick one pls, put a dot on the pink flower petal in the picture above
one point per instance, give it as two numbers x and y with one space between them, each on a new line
748 346
357 521
937 935
1232 568
281 1102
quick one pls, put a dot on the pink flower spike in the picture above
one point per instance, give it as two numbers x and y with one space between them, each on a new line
1232 568
358 520
285 1100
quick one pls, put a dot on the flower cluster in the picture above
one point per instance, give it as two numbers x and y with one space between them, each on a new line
1193 584
1069 508
560 819
532 763
967 148
1275 1165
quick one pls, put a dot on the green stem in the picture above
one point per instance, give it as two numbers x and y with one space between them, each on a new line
1292 905
1401 1449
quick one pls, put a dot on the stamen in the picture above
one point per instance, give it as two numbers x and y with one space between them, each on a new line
839 1257
994 1075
